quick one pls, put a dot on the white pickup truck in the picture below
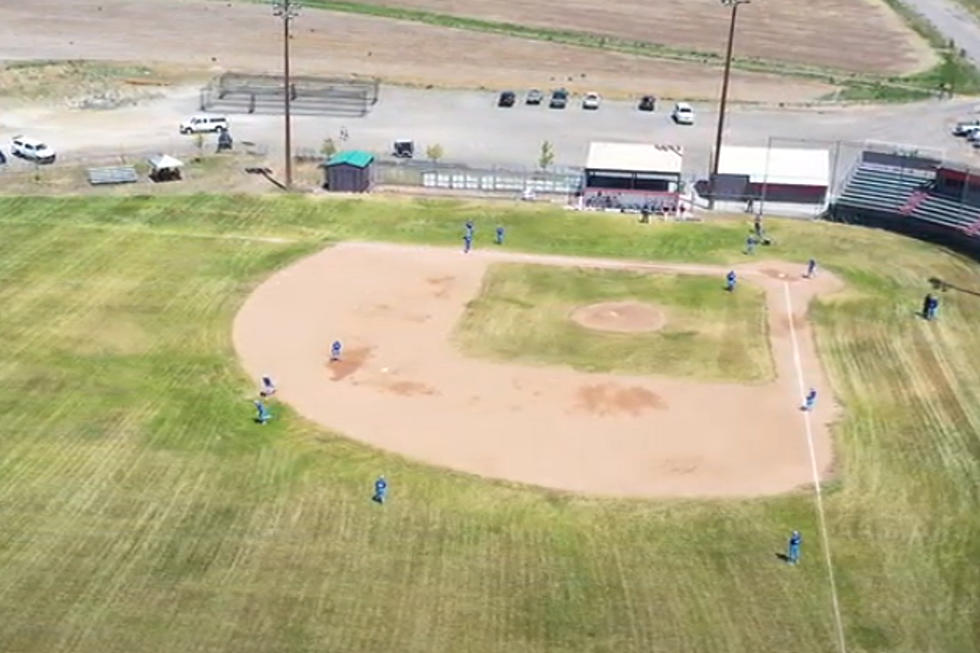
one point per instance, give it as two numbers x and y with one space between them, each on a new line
32 149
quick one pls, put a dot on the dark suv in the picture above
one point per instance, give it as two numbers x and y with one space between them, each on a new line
648 103
559 99
507 99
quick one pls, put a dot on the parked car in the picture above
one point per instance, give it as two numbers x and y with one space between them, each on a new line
559 99
683 113
202 123
648 103
507 99
404 149
32 150
534 96
965 128
591 101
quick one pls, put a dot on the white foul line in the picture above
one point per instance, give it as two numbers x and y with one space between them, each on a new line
816 474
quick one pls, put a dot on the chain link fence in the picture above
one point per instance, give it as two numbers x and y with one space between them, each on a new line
559 181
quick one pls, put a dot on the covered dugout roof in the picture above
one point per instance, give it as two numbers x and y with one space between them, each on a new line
635 157
356 158
796 167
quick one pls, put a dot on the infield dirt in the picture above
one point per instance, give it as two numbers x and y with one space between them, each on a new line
403 387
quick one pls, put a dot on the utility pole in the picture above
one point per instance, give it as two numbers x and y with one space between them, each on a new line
287 10
724 96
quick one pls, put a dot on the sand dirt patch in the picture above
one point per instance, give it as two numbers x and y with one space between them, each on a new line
610 399
403 386
619 317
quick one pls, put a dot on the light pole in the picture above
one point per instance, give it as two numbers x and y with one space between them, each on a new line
287 10
724 95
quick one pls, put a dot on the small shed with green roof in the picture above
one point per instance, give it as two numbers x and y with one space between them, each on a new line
348 171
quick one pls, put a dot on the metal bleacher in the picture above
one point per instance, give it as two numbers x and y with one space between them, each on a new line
948 212
883 188
112 175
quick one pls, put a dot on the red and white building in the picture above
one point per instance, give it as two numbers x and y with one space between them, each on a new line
633 176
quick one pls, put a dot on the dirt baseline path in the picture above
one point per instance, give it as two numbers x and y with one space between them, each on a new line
403 387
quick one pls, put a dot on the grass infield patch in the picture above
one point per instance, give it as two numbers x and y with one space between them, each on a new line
523 313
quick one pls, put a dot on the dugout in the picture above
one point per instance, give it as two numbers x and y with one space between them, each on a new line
777 175
633 176
348 171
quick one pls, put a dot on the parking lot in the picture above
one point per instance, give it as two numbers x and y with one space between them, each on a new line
472 129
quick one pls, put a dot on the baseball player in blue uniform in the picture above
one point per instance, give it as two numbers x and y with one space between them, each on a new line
730 281
263 414
380 489
793 548
268 387
811 400
500 236
335 349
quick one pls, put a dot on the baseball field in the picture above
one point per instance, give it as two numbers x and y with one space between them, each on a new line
143 510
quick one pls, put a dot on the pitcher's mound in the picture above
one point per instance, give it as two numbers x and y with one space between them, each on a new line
620 317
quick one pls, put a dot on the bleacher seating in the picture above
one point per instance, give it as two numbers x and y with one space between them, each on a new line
883 188
946 211
112 175
909 193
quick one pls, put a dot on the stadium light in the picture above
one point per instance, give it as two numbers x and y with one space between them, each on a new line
724 95
287 10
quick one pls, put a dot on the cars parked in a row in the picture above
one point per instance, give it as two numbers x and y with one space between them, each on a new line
970 130
683 113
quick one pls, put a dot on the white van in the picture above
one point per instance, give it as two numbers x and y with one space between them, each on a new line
201 123
31 149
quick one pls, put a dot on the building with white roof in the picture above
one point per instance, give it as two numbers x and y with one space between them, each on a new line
783 175
633 176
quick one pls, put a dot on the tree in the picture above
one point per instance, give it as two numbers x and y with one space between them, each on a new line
329 148
949 71
547 156
434 152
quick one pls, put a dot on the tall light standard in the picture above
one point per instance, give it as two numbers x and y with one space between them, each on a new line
724 94
287 10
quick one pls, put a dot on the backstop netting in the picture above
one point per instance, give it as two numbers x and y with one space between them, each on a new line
265 94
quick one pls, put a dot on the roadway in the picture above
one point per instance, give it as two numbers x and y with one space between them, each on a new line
953 21
473 130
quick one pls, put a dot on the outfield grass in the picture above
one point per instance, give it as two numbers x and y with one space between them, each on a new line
143 511
522 313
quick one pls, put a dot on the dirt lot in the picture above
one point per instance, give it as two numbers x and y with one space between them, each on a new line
199 33
402 385
833 33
